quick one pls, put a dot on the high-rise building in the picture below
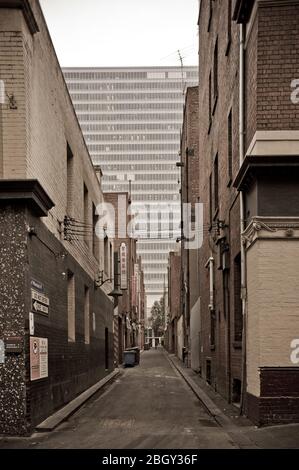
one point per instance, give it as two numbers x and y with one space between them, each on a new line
131 119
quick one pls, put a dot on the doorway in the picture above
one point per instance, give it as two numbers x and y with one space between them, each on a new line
106 348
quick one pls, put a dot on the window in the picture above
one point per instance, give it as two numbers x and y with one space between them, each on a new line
106 255
111 260
71 307
106 348
86 316
208 371
211 201
216 185
86 215
213 329
210 102
230 148
70 181
210 14
95 240
229 25
238 316
215 75
226 293
237 387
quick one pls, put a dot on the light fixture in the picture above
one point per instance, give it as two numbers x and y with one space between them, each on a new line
99 282
115 293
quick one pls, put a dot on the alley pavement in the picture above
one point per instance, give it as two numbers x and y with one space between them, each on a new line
147 407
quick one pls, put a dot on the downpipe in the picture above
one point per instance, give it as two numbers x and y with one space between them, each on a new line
242 217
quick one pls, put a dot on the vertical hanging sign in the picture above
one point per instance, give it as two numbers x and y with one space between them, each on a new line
123 267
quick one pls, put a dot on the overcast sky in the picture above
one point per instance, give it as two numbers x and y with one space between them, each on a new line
117 33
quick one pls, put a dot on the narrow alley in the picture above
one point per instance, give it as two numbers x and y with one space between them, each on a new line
149 406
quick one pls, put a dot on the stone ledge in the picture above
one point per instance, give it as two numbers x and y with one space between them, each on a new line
23 5
29 191
61 415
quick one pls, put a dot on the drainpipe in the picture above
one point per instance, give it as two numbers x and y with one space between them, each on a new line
242 212
210 264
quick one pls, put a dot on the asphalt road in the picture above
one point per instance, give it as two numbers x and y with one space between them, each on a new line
147 407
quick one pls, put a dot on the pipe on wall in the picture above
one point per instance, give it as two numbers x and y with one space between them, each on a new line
242 207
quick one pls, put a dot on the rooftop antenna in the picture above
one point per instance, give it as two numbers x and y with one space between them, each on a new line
182 70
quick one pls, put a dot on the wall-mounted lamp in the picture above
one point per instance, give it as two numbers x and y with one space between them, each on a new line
99 282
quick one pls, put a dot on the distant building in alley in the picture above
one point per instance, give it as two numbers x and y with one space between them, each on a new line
174 336
130 307
56 319
131 119
193 232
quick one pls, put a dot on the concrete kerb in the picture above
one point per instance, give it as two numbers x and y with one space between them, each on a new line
235 432
61 415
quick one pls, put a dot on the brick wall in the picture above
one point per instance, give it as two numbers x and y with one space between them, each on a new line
174 285
213 140
271 66
277 66
12 73
190 185
36 132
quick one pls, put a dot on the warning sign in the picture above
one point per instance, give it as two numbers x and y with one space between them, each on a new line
38 358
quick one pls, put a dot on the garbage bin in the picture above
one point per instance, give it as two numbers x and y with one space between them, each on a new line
136 350
129 358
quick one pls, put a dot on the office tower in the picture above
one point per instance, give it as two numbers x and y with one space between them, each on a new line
131 119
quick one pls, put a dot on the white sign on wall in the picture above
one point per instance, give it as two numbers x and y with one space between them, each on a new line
31 323
123 267
38 358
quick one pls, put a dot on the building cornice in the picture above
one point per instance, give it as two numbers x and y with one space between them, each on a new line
270 228
26 191
23 5
252 164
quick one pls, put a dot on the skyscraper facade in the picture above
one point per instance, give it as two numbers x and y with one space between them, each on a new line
131 119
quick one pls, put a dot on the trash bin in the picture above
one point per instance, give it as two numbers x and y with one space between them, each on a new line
136 350
129 358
